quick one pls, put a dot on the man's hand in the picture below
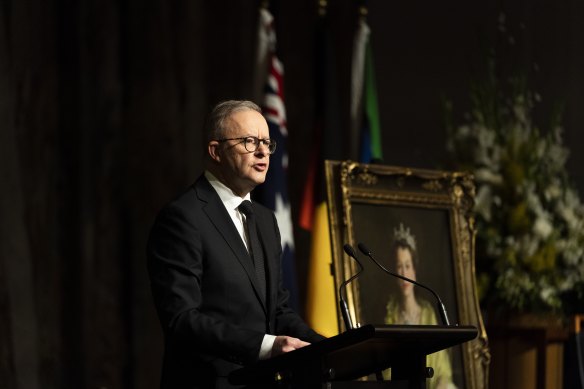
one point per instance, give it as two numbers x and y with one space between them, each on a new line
284 344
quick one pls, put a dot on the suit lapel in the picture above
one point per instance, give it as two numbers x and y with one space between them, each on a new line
218 215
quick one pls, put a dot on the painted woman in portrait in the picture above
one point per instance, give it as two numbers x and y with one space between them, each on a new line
406 307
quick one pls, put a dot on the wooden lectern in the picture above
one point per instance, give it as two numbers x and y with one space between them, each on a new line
338 361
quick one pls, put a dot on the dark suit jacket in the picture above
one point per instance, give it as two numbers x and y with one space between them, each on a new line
205 291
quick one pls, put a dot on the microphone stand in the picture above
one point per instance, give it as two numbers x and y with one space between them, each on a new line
342 302
351 253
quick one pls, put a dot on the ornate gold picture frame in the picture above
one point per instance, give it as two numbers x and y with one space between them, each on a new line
378 205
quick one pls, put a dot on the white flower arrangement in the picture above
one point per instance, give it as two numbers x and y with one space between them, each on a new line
529 218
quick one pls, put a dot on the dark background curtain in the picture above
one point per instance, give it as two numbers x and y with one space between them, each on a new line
101 109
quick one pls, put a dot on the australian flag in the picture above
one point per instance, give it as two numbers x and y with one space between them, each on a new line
274 192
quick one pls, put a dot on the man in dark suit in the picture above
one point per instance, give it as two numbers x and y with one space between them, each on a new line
217 284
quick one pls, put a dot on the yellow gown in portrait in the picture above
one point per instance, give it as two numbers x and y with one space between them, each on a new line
439 361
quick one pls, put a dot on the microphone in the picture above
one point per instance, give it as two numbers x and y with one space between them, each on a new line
441 307
342 302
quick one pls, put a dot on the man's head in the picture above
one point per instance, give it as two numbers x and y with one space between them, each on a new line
233 128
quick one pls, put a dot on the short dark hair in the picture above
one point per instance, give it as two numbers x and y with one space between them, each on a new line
215 126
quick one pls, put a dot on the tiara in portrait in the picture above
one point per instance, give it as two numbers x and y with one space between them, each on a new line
404 234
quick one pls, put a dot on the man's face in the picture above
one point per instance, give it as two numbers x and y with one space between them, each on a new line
238 168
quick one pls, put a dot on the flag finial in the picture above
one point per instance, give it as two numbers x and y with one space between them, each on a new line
322 5
363 11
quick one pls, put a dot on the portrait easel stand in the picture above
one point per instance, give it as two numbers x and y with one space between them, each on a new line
340 361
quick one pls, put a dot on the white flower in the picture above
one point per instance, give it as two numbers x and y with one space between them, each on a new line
497 200
572 199
567 213
487 176
572 251
463 132
529 245
548 294
484 199
486 136
556 156
540 149
553 190
521 114
537 96
568 281
542 228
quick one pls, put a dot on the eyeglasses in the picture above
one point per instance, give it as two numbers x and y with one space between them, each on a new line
252 143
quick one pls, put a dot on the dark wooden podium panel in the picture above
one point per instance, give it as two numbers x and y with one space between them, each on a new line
357 353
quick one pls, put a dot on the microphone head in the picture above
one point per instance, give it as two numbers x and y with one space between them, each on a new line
364 249
349 250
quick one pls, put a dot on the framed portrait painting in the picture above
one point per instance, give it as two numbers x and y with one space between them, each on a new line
417 224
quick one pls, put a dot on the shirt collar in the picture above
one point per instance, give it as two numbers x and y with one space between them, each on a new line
229 199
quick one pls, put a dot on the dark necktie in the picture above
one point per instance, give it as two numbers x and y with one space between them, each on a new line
255 247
